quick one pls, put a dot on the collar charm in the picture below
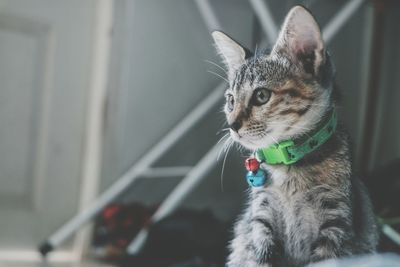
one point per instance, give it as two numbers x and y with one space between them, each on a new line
255 176
289 151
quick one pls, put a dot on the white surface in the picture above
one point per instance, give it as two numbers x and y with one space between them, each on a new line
31 258
92 152
45 47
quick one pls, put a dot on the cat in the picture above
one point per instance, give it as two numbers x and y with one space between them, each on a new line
313 209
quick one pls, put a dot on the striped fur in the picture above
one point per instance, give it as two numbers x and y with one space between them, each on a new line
313 209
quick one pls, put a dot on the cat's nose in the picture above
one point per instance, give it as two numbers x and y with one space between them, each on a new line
236 125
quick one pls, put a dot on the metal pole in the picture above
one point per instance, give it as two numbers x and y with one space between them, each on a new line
338 21
158 172
208 15
266 19
178 194
373 98
134 172
92 152
391 233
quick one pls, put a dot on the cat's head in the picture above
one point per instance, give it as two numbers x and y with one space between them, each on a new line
279 95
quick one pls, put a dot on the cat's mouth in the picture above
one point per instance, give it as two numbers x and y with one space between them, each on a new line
235 135
244 140
253 142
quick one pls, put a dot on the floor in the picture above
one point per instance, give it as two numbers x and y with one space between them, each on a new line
52 264
55 259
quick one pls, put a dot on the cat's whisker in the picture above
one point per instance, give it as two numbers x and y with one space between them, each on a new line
273 139
241 148
223 164
215 64
223 130
227 142
218 75
230 143
223 138
225 135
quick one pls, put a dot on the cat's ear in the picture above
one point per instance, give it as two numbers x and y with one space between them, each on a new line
233 54
300 39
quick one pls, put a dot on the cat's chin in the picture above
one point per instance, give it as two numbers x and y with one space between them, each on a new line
251 144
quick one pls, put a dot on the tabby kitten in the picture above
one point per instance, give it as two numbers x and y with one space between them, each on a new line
313 209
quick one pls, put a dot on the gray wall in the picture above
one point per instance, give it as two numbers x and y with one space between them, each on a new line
159 73
386 142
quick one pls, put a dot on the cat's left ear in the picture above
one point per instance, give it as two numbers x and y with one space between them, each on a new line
300 39
233 54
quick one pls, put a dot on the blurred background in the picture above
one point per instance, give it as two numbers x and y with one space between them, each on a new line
96 92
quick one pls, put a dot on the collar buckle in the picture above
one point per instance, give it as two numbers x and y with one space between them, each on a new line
287 152
278 153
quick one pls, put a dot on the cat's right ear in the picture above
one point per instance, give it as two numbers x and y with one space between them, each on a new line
301 40
232 53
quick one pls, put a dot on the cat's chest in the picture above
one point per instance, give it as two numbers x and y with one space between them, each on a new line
299 217
294 218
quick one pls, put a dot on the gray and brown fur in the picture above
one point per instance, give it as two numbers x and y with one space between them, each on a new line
313 209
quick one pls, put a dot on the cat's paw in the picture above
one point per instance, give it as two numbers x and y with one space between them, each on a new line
323 248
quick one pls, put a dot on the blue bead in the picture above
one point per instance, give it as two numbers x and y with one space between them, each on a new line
256 179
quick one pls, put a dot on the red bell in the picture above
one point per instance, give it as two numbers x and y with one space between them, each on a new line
252 164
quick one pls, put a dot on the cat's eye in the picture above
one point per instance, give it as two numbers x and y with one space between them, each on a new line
260 96
230 102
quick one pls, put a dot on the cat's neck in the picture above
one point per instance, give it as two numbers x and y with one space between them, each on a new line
329 164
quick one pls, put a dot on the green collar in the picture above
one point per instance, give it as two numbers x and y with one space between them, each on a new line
289 152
